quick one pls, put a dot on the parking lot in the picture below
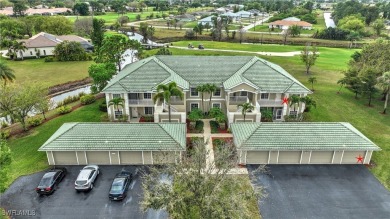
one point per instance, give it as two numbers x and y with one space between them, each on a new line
67 203
321 191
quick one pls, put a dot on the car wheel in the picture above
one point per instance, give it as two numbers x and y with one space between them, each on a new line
98 172
91 187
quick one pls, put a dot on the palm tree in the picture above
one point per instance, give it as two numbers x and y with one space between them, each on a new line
202 89
246 107
165 92
312 80
294 100
384 82
6 73
116 102
17 47
211 88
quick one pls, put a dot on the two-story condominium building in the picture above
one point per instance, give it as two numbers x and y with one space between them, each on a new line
239 79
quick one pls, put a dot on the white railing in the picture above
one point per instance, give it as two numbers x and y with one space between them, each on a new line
146 102
264 103
238 99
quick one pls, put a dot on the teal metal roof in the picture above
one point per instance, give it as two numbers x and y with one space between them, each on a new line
186 71
117 136
322 136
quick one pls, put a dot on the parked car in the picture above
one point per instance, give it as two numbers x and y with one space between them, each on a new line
50 181
86 178
119 185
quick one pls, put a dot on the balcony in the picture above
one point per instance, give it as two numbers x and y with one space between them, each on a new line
141 102
270 103
235 100
176 101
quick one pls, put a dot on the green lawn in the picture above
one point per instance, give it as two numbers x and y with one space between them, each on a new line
331 107
320 21
26 158
191 24
51 73
112 17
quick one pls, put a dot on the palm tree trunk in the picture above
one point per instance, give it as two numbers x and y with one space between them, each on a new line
211 95
202 102
169 112
244 116
387 99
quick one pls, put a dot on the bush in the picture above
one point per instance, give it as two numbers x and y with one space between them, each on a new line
4 124
4 134
195 115
190 34
87 99
214 126
64 110
103 106
199 126
49 59
70 99
34 121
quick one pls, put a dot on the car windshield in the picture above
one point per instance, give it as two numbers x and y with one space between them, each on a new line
45 181
117 185
81 182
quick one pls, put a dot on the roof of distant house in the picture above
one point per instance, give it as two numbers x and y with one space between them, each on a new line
227 71
291 23
207 19
292 19
243 13
230 14
39 10
43 39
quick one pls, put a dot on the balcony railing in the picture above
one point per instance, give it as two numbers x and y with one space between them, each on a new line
139 102
234 100
264 103
176 100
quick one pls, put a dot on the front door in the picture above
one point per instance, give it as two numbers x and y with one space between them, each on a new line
134 112
279 113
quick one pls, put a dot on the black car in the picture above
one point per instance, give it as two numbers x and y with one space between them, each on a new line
50 180
119 186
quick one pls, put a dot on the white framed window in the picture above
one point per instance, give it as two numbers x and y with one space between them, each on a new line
293 113
217 93
149 110
194 92
264 96
217 105
31 53
194 106
118 113
147 96
116 96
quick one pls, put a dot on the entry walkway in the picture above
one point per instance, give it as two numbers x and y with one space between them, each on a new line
207 135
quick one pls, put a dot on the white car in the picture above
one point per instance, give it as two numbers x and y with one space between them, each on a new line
86 178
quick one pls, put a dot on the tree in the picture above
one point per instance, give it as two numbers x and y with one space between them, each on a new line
312 80
384 83
241 33
378 26
6 73
211 88
112 50
81 9
294 100
309 6
5 161
116 102
202 89
163 51
207 26
369 80
352 23
342 82
123 20
165 92
182 10
309 102
44 106
97 35
58 25
309 55
295 30
285 34
18 47
245 108
84 26
146 31
19 7
197 188
101 73
70 51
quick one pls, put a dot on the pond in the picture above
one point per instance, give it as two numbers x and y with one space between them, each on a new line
329 22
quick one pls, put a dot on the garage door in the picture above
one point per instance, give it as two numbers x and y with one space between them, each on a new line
351 157
321 157
257 157
131 157
98 157
65 157
289 157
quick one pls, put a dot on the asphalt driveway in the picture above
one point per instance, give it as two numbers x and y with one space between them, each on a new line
321 191
67 203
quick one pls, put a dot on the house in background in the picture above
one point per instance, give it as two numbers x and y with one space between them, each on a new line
292 19
284 25
240 79
43 44
185 17
207 20
233 16
244 14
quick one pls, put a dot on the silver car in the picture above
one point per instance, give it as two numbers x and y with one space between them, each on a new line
86 178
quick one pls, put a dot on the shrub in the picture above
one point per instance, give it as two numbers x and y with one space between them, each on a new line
4 134
214 126
34 121
70 99
4 124
103 106
64 110
49 59
199 126
190 34
87 99
195 115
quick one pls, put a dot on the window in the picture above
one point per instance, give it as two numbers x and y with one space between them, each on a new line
147 96
118 114
149 110
293 113
265 96
116 96
194 92
31 53
217 105
194 106
217 93
44 52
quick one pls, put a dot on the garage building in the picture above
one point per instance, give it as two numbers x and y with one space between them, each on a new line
301 143
115 143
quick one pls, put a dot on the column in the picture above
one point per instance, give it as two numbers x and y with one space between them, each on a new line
127 108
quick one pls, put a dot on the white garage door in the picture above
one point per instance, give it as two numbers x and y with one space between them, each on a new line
321 157
65 157
257 157
131 157
289 157
98 157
